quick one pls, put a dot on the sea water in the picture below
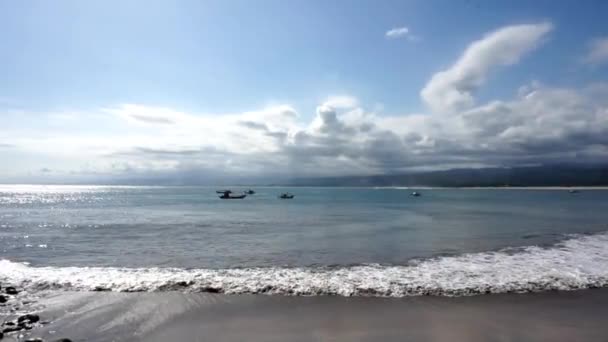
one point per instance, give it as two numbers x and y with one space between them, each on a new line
342 241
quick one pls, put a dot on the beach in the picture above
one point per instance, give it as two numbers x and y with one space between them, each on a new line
173 316
178 264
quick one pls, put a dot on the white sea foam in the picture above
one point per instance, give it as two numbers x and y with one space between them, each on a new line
577 263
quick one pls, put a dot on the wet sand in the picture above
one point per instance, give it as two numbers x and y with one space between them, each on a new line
171 316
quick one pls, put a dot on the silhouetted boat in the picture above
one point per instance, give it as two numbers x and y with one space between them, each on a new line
227 194
233 196
250 192
415 194
286 195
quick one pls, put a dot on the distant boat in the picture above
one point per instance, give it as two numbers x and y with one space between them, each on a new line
233 196
573 191
415 194
227 194
286 195
250 192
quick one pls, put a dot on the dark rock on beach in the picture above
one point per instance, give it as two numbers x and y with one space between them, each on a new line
19 325
22 323
101 289
11 290
25 326
210 289
10 329
28 318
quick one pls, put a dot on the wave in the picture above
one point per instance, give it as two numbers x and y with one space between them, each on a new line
577 263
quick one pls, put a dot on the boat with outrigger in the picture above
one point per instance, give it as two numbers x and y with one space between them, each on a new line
286 195
227 194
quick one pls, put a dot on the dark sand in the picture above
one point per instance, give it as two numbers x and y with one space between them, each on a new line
549 316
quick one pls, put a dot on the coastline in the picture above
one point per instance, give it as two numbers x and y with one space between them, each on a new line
175 316
494 187
75 187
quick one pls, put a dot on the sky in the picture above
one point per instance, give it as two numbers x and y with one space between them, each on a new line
102 91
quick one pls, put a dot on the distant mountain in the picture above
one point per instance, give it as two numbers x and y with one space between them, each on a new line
556 175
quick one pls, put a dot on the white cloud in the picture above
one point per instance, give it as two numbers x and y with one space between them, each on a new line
598 51
453 89
149 115
541 124
342 101
397 32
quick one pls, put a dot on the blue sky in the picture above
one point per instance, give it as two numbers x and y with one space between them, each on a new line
225 56
79 59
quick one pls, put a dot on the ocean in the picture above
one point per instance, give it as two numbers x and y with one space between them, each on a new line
325 241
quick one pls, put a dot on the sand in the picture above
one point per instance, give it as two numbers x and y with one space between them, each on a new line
172 316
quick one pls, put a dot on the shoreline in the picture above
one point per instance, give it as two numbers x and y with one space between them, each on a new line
174 316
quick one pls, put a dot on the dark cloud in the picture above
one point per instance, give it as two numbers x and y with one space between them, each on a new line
151 119
328 122
254 125
546 126
168 152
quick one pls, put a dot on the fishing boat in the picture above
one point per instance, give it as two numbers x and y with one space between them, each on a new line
286 195
227 194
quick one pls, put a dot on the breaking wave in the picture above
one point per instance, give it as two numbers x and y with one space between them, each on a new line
576 263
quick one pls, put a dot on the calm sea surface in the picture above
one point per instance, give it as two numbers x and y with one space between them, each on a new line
325 241
190 227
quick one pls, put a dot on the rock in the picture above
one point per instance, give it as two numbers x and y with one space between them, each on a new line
3 299
9 323
211 289
1 335
37 339
11 329
11 290
63 340
28 318
25 326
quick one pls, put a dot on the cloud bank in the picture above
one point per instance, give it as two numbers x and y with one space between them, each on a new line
540 125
